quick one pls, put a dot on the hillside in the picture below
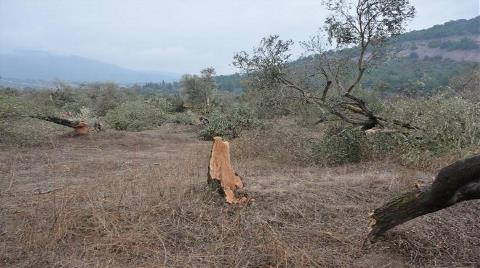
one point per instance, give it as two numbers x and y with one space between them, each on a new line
451 28
455 40
422 60
25 65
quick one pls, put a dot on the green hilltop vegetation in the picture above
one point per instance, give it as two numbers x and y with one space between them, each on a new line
423 60
412 75
451 28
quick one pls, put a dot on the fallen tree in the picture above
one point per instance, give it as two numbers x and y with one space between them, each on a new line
221 176
455 183
80 127
359 30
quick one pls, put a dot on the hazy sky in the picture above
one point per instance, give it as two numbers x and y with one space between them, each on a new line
176 35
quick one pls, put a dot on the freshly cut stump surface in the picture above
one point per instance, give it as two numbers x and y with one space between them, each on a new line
82 128
221 175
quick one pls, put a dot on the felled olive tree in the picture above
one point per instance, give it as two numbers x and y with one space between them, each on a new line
364 26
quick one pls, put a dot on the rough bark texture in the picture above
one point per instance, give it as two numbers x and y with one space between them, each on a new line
455 183
80 127
221 175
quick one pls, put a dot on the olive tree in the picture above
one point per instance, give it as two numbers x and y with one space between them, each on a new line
197 90
363 26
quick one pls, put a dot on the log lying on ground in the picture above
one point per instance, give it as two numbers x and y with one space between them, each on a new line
221 176
80 127
455 183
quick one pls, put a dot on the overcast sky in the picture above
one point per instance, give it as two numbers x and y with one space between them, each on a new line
176 35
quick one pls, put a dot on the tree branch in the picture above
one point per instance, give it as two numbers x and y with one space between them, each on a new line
455 183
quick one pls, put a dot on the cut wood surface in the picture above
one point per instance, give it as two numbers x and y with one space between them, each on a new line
221 175
455 183
82 128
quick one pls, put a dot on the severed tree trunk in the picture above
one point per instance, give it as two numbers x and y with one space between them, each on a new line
80 127
455 183
221 176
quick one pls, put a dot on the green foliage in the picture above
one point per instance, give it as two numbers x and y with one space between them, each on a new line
380 20
122 109
411 75
177 105
98 97
135 116
451 28
339 145
105 97
7 106
16 128
163 88
265 70
448 124
230 83
230 124
269 101
185 118
467 84
309 115
28 132
198 91
158 102
462 44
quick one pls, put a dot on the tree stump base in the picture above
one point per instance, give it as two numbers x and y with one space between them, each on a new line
81 128
221 176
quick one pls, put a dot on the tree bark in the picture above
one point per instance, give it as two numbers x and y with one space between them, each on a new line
79 127
455 183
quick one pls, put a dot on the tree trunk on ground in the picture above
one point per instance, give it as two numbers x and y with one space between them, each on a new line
80 127
455 183
221 176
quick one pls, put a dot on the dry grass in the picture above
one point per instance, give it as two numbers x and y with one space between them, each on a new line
140 200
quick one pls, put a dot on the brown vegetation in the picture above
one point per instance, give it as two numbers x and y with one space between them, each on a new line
119 199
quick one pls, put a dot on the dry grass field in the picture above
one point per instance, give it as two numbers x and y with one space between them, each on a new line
121 199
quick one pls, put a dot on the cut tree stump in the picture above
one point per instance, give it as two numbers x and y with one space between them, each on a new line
82 128
221 176
455 183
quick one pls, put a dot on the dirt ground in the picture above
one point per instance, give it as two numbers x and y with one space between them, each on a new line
118 199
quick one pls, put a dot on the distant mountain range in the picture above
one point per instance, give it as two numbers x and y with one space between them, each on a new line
40 67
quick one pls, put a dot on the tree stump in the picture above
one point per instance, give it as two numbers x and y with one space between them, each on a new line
81 128
455 183
221 176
